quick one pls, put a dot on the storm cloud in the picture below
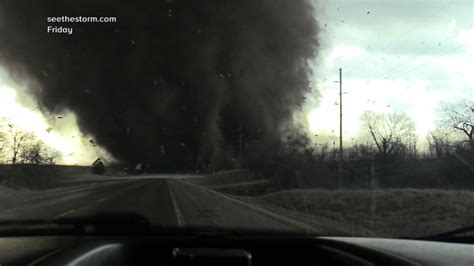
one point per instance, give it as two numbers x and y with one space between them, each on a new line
171 82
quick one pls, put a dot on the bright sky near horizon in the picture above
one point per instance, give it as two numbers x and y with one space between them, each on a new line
403 55
63 135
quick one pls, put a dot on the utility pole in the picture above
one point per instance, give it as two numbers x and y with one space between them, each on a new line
340 183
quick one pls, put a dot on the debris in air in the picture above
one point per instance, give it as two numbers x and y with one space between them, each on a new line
49 129
59 117
87 91
368 12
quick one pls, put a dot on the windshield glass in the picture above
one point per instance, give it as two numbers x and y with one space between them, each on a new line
351 118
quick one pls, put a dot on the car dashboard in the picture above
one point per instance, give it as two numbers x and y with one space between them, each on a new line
229 250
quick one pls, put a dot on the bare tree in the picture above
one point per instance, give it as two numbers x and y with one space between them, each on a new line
17 141
38 153
392 133
23 147
441 142
459 116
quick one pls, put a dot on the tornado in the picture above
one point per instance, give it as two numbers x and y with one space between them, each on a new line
172 84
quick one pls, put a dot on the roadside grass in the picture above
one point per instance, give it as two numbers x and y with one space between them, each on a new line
232 177
383 212
39 177
235 182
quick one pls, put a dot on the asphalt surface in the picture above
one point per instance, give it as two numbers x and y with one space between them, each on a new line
165 201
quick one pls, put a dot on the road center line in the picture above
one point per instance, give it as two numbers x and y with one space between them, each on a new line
65 213
177 211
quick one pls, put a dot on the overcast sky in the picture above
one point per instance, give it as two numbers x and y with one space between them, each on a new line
396 55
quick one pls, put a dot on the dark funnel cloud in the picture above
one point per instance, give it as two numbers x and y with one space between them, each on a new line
171 82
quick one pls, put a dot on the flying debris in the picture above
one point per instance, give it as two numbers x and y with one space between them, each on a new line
87 91
49 129
59 117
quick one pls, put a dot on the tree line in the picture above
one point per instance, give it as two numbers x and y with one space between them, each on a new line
392 149
18 146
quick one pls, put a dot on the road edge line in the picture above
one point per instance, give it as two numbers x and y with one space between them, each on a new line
177 210
271 214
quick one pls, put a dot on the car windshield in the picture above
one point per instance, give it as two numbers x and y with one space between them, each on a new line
347 117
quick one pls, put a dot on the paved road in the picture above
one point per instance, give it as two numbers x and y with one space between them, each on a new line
164 201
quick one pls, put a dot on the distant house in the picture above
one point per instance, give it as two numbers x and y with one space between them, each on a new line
98 167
